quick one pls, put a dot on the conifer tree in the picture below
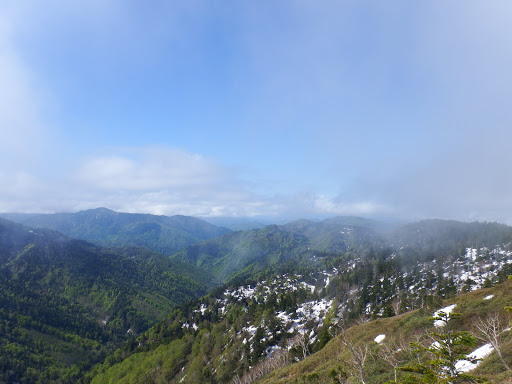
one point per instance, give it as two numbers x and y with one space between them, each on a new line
446 346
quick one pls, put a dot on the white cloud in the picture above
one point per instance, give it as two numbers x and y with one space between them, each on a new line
164 181
318 205
325 205
23 131
412 101
161 180
151 169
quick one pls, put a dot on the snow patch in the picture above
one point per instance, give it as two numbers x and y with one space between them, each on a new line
479 353
379 339
447 310
306 285
471 253
435 345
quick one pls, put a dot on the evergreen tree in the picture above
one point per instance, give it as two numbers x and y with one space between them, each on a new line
445 348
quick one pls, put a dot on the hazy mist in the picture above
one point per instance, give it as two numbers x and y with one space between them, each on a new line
295 109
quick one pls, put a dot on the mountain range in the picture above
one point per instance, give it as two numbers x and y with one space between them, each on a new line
101 226
227 305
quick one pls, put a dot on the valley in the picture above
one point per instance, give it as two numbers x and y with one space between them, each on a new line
255 192
260 305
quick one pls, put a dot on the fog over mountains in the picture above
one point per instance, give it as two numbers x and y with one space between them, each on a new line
255 192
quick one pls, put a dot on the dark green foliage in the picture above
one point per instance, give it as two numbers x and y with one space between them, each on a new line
241 255
445 347
338 376
221 343
65 304
101 226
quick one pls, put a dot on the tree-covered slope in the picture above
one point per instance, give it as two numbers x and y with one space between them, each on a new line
66 303
244 254
375 351
285 248
430 237
241 337
280 316
101 226
212 340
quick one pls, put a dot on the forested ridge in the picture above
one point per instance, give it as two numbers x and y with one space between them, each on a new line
286 292
282 315
104 227
66 304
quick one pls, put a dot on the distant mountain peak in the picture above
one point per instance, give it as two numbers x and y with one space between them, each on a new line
105 227
99 210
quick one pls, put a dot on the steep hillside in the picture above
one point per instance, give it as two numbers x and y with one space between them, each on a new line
244 254
279 249
66 303
101 226
427 238
339 234
380 346
217 337
246 334
232 333
289 289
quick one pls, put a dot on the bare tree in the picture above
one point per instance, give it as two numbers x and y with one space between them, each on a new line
303 341
358 358
490 330
362 319
393 352
279 358
396 304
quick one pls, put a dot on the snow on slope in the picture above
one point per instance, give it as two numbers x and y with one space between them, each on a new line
478 354
447 310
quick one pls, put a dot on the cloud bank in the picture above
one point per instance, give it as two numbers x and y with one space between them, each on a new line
258 109
160 180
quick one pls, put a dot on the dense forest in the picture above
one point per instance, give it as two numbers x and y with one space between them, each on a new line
66 304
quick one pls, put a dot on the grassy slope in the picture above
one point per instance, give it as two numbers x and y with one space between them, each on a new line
317 367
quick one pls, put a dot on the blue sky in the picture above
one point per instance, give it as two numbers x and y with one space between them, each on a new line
262 109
